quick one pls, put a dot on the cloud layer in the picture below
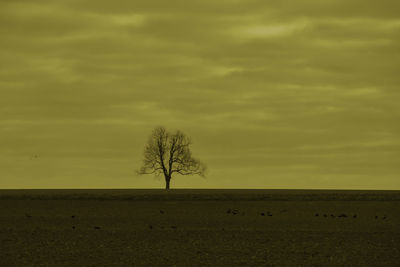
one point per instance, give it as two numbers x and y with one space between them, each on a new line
273 94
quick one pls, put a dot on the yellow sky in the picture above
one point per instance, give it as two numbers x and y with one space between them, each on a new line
275 94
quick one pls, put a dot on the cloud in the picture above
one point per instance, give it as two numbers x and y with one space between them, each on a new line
268 30
250 81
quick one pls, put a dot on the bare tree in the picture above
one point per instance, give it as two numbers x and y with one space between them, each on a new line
167 153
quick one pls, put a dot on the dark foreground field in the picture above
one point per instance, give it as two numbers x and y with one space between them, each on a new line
199 228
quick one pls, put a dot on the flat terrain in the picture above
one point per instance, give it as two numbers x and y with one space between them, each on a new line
199 228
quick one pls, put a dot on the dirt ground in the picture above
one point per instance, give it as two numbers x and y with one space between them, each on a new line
204 232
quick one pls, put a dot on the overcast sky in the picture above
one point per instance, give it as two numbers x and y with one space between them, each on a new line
274 94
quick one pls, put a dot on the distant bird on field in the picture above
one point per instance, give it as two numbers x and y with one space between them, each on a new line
96 227
262 214
316 214
355 216
161 211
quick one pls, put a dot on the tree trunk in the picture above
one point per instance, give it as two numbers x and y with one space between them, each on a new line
167 179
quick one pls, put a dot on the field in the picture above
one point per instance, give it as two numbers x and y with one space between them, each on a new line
199 228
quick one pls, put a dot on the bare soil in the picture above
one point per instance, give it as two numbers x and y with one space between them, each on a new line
199 228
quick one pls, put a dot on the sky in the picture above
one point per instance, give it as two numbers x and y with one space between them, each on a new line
274 94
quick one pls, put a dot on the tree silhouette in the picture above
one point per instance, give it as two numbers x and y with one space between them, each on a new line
167 153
